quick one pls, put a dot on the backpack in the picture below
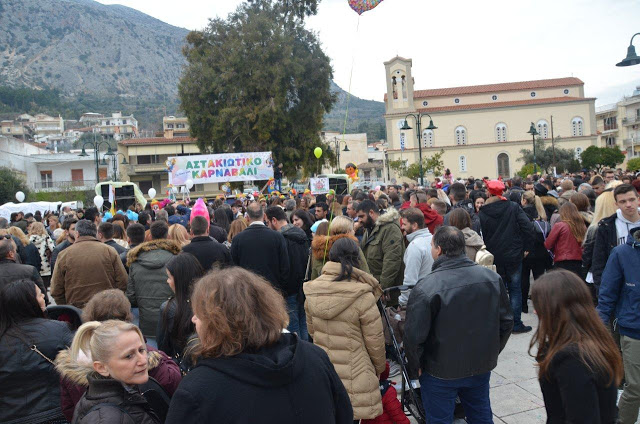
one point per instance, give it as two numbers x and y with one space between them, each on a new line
485 258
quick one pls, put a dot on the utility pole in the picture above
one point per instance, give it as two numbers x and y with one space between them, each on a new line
553 146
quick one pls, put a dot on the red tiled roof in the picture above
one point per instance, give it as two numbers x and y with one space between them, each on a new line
494 88
505 104
157 140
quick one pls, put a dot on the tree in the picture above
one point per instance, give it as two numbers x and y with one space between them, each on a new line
526 170
11 184
433 164
601 157
259 81
633 164
564 158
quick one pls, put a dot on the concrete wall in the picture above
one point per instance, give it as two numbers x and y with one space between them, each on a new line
14 154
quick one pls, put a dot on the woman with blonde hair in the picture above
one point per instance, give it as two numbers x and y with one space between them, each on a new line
39 237
240 318
340 227
28 252
179 234
116 363
237 226
565 239
538 260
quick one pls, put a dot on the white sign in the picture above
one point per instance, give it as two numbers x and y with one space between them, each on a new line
220 168
319 185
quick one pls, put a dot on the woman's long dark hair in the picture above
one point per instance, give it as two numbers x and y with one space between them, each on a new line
345 251
568 319
185 269
18 302
222 218
305 217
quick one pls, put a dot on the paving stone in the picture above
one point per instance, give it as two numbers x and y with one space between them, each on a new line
534 416
511 399
532 386
515 366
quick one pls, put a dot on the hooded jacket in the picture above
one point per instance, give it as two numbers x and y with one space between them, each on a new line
417 257
506 231
472 243
84 269
606 239
432 219
320 248
127 404
383 248
290 382
344 320
74 379
147 288
298 250
458 320
620 286
29 385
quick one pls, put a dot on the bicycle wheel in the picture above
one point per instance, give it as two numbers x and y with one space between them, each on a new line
413 404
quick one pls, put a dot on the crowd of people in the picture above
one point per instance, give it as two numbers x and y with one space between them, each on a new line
269 308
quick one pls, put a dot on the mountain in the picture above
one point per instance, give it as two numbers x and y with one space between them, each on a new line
81 46
105 58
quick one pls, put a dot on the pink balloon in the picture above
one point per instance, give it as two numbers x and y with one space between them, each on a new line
199 209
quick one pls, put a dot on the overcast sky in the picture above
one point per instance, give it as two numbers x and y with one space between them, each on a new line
462 42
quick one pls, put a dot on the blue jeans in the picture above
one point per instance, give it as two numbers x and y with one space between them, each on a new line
439 398
511 275
297 317
278 185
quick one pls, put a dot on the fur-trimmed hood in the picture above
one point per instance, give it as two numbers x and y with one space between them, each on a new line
391 215
549 200
320 245
161 244
77 372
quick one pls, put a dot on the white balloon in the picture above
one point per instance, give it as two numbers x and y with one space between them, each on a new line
20 196
174 189
189 183
98 201
152 193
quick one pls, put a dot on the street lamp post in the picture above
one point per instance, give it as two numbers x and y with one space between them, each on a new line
534 133
96 155
418 119
115 164
632 58
336 142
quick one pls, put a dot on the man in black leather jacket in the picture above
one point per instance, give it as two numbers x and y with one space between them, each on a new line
459 319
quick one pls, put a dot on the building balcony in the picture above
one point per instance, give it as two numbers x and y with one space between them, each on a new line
631 120
147 168
64 185
628 142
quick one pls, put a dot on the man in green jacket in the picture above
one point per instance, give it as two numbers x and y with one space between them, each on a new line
382 243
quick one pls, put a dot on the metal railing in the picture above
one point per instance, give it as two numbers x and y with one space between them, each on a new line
63 185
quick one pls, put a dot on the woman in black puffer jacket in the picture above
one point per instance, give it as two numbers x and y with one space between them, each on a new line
117 365
29 384
538 261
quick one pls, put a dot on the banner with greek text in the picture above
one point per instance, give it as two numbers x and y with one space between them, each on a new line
218 168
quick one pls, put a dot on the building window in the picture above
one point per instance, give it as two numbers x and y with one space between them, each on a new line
46 179
462 162
543 129
494 97
577 127
457 101
566 91
577 153
533 94
610 123
610 142
124 122
501 132
148 159
427 138
461 136
425 103
503 165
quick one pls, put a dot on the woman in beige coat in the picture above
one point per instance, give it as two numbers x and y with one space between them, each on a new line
343 319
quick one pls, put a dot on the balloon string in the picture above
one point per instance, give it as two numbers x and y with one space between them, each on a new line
353 59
